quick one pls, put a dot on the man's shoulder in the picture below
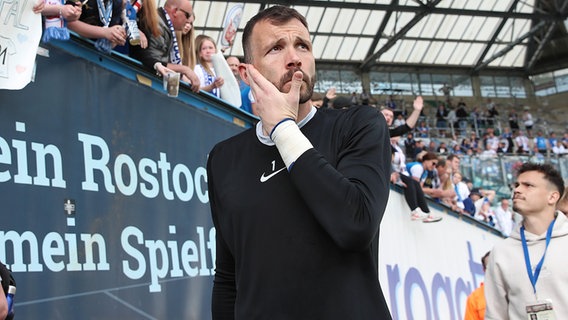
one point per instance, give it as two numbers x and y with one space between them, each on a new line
236 142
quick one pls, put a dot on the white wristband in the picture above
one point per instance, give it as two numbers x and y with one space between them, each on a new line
290 141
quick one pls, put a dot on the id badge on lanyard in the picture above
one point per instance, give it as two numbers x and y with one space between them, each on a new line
538 309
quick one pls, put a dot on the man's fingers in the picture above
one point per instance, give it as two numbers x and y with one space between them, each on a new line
296 84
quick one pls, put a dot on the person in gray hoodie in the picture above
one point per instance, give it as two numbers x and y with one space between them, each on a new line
527 275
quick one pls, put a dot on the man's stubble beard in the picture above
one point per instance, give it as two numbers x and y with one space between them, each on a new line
305 94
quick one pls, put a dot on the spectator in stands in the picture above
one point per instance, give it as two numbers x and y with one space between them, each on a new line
442 148
432 147
504 217
454 162
559 148
502 148
565 140
447 194
163 53
463 116
491 113
322 101
317 99
528 121
475 304
482 199
354 100
508 136
513 120
491 141
244 88
446 90
104 24
205 47
234 63
423 129
552 139
457 149
412 190
487 153
541 143
512 281
410 146
390 103
420 148
186 39
452 119
441 122
466 145
461 189
428 176
68 11
399 120
417 105
522 142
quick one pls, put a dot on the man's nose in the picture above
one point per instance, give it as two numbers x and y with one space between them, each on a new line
293 59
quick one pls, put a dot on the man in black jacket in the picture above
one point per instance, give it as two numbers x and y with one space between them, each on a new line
298 200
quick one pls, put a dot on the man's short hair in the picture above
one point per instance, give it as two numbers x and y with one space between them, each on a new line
276 15
452 156
550 173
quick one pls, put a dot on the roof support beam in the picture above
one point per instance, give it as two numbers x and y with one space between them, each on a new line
403 8
381 30
508 48
426 9
530 65
496 33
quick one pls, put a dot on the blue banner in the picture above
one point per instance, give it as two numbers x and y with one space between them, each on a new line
105 212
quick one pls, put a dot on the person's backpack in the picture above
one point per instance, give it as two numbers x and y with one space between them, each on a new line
7 281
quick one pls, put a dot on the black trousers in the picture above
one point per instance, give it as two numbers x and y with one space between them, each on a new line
413 194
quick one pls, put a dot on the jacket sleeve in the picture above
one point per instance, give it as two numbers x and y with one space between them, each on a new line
399 131
224 286
157 50
496 300
349 198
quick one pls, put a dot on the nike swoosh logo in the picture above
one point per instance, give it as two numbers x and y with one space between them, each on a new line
264 178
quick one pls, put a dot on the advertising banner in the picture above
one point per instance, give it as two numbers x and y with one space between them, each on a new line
103 187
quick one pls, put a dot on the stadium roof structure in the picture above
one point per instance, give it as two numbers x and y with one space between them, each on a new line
527 36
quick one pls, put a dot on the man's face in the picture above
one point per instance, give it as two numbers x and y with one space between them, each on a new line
456 164
505 203
532 193
182 15
233 63
279 51
388 116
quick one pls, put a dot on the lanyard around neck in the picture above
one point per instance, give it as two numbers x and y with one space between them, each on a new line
534 277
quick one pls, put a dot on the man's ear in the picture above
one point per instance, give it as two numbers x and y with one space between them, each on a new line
243 73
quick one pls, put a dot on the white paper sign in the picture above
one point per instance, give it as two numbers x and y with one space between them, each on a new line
20 32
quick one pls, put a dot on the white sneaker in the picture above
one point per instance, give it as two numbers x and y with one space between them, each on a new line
418 214
431 218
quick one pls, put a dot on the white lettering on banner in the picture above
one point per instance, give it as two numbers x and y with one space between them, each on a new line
155 258
161 257
150 177
21 175
55 249
153 174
